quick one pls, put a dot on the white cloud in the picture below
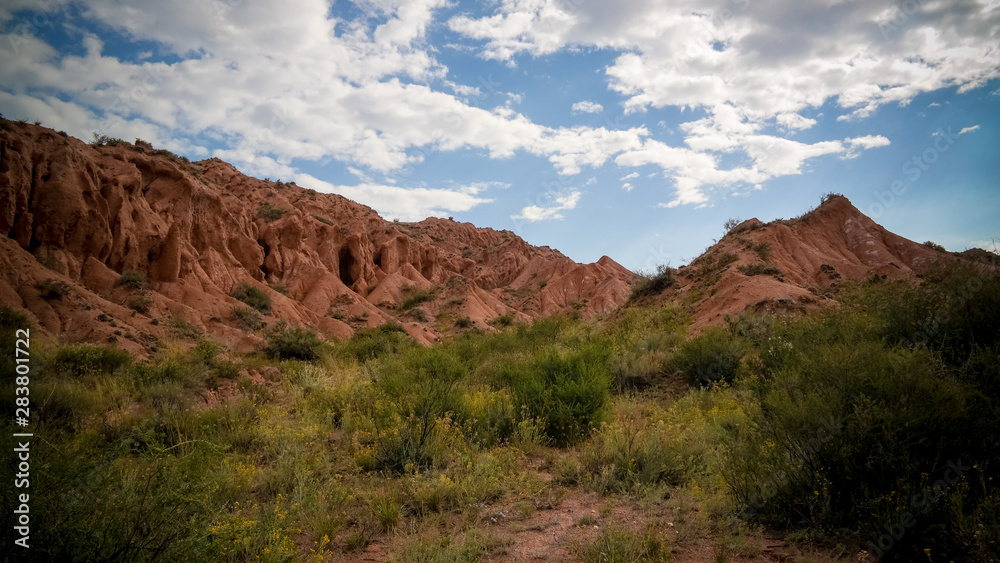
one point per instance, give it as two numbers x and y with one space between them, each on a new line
990 245
630 176
559 203
751 65
968 130
394 202
794 121
587 107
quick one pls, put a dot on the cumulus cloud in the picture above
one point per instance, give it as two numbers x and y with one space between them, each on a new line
278 83
394 202
553 210
968 129
749 65
587 107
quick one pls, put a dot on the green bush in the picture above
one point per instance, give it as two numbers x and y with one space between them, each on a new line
84 359
269 213
504 320
252 296
759 270
295 343
567 390
50 289
139 302
133 279
863 411
373 342
653 284
406 418
713 357
247 318
615 545
416 297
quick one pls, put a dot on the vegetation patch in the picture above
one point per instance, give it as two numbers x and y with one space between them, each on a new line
252 296
50 289
269 213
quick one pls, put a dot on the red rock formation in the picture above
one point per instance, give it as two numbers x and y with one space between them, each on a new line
83 215
800 261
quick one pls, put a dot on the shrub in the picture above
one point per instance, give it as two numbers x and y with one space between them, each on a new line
280 288
133 279
184 329
935 246
617 545
294 343
269 213
252 296
370 343
567 390
50 289
101 140
323 220
463 322
407 420
247 318
417 296
653 284
759 269
503 320
83 359
731 224
713 357
763 250
139 302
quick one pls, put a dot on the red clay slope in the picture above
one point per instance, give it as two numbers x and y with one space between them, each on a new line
793 264
82 215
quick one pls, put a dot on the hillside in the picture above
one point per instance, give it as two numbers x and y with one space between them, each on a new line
797 264
77 216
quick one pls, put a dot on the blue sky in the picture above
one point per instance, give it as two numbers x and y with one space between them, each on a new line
632 129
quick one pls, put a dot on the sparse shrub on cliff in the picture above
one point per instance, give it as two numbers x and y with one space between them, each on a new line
101 140
731 224
50 289
763 250
269 213
133 279
253 296
654 283
248 318
935 246
759 270
416 297
504 320
139 302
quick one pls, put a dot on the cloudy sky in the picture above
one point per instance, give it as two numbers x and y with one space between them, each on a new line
632 128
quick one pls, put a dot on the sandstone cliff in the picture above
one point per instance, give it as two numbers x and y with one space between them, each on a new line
77 216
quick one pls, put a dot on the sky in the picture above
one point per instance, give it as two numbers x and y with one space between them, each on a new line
632 129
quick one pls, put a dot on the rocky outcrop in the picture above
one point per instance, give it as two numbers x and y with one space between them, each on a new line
797 264
82 215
